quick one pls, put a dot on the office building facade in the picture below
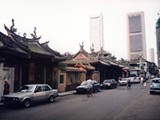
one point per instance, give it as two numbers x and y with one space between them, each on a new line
136 36
151 55
96 32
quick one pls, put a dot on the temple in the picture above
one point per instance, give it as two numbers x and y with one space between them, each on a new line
30 60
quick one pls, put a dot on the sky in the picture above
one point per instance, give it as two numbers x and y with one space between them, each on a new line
66 23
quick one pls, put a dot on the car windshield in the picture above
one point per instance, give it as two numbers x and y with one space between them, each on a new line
107 81
26 89
124 79
84 83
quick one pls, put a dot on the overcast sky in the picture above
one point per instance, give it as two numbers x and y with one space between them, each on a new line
66 23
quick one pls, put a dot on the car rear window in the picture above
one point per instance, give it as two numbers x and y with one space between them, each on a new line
107 81
156 81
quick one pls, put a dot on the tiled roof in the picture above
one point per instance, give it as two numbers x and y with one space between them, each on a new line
35 47
30 46
7 43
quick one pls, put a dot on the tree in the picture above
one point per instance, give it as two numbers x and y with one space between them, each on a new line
153 69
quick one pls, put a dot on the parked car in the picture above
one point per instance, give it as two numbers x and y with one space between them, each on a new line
109 83
82 88
123 82
155 86
29 94
134 79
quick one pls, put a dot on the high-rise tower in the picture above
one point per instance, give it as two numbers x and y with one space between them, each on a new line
136 36
96 32
158 39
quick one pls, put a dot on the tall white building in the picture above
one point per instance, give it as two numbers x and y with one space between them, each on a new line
96 32
136 36
151 55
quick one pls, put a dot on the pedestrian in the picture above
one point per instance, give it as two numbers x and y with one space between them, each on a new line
128 84
89 87
144 83
141 81
6 86
119 80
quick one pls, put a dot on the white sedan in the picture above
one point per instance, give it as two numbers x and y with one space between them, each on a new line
123 81
29 94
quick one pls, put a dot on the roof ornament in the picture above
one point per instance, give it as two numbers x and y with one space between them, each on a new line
34 35
12 27
92 48
102 49
24 35
81 46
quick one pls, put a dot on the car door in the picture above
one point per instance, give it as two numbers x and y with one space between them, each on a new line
114 83
39 94
47 91
96 86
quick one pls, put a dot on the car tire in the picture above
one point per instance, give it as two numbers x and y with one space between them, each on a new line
27 103
151 92
51 99
112 87
98 89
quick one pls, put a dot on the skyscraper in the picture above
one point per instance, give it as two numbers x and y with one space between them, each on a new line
136 36
96 32
158 39
151 55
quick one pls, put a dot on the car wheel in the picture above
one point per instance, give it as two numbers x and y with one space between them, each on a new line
151 92
27 103
112 87
98 89
51 99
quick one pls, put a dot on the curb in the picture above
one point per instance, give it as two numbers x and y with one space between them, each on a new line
66 93
59 95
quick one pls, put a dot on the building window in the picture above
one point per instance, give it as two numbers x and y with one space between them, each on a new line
61 79
135 24
136 43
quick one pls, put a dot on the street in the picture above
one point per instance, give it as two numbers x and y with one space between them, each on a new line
112 104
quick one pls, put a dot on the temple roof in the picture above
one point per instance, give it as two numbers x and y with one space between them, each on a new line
8 44
28 46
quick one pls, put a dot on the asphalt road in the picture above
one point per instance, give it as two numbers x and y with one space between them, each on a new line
114 104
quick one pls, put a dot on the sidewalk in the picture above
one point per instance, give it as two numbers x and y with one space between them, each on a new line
59 95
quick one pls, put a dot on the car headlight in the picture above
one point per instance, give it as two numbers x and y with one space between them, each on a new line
109 84
2 98
151 86
16 99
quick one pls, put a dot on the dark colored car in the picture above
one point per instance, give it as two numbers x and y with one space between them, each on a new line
83 87
109 83
155 86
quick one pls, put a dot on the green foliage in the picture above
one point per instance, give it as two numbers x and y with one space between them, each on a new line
113 58
124 62
153 69
62 66
158 23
